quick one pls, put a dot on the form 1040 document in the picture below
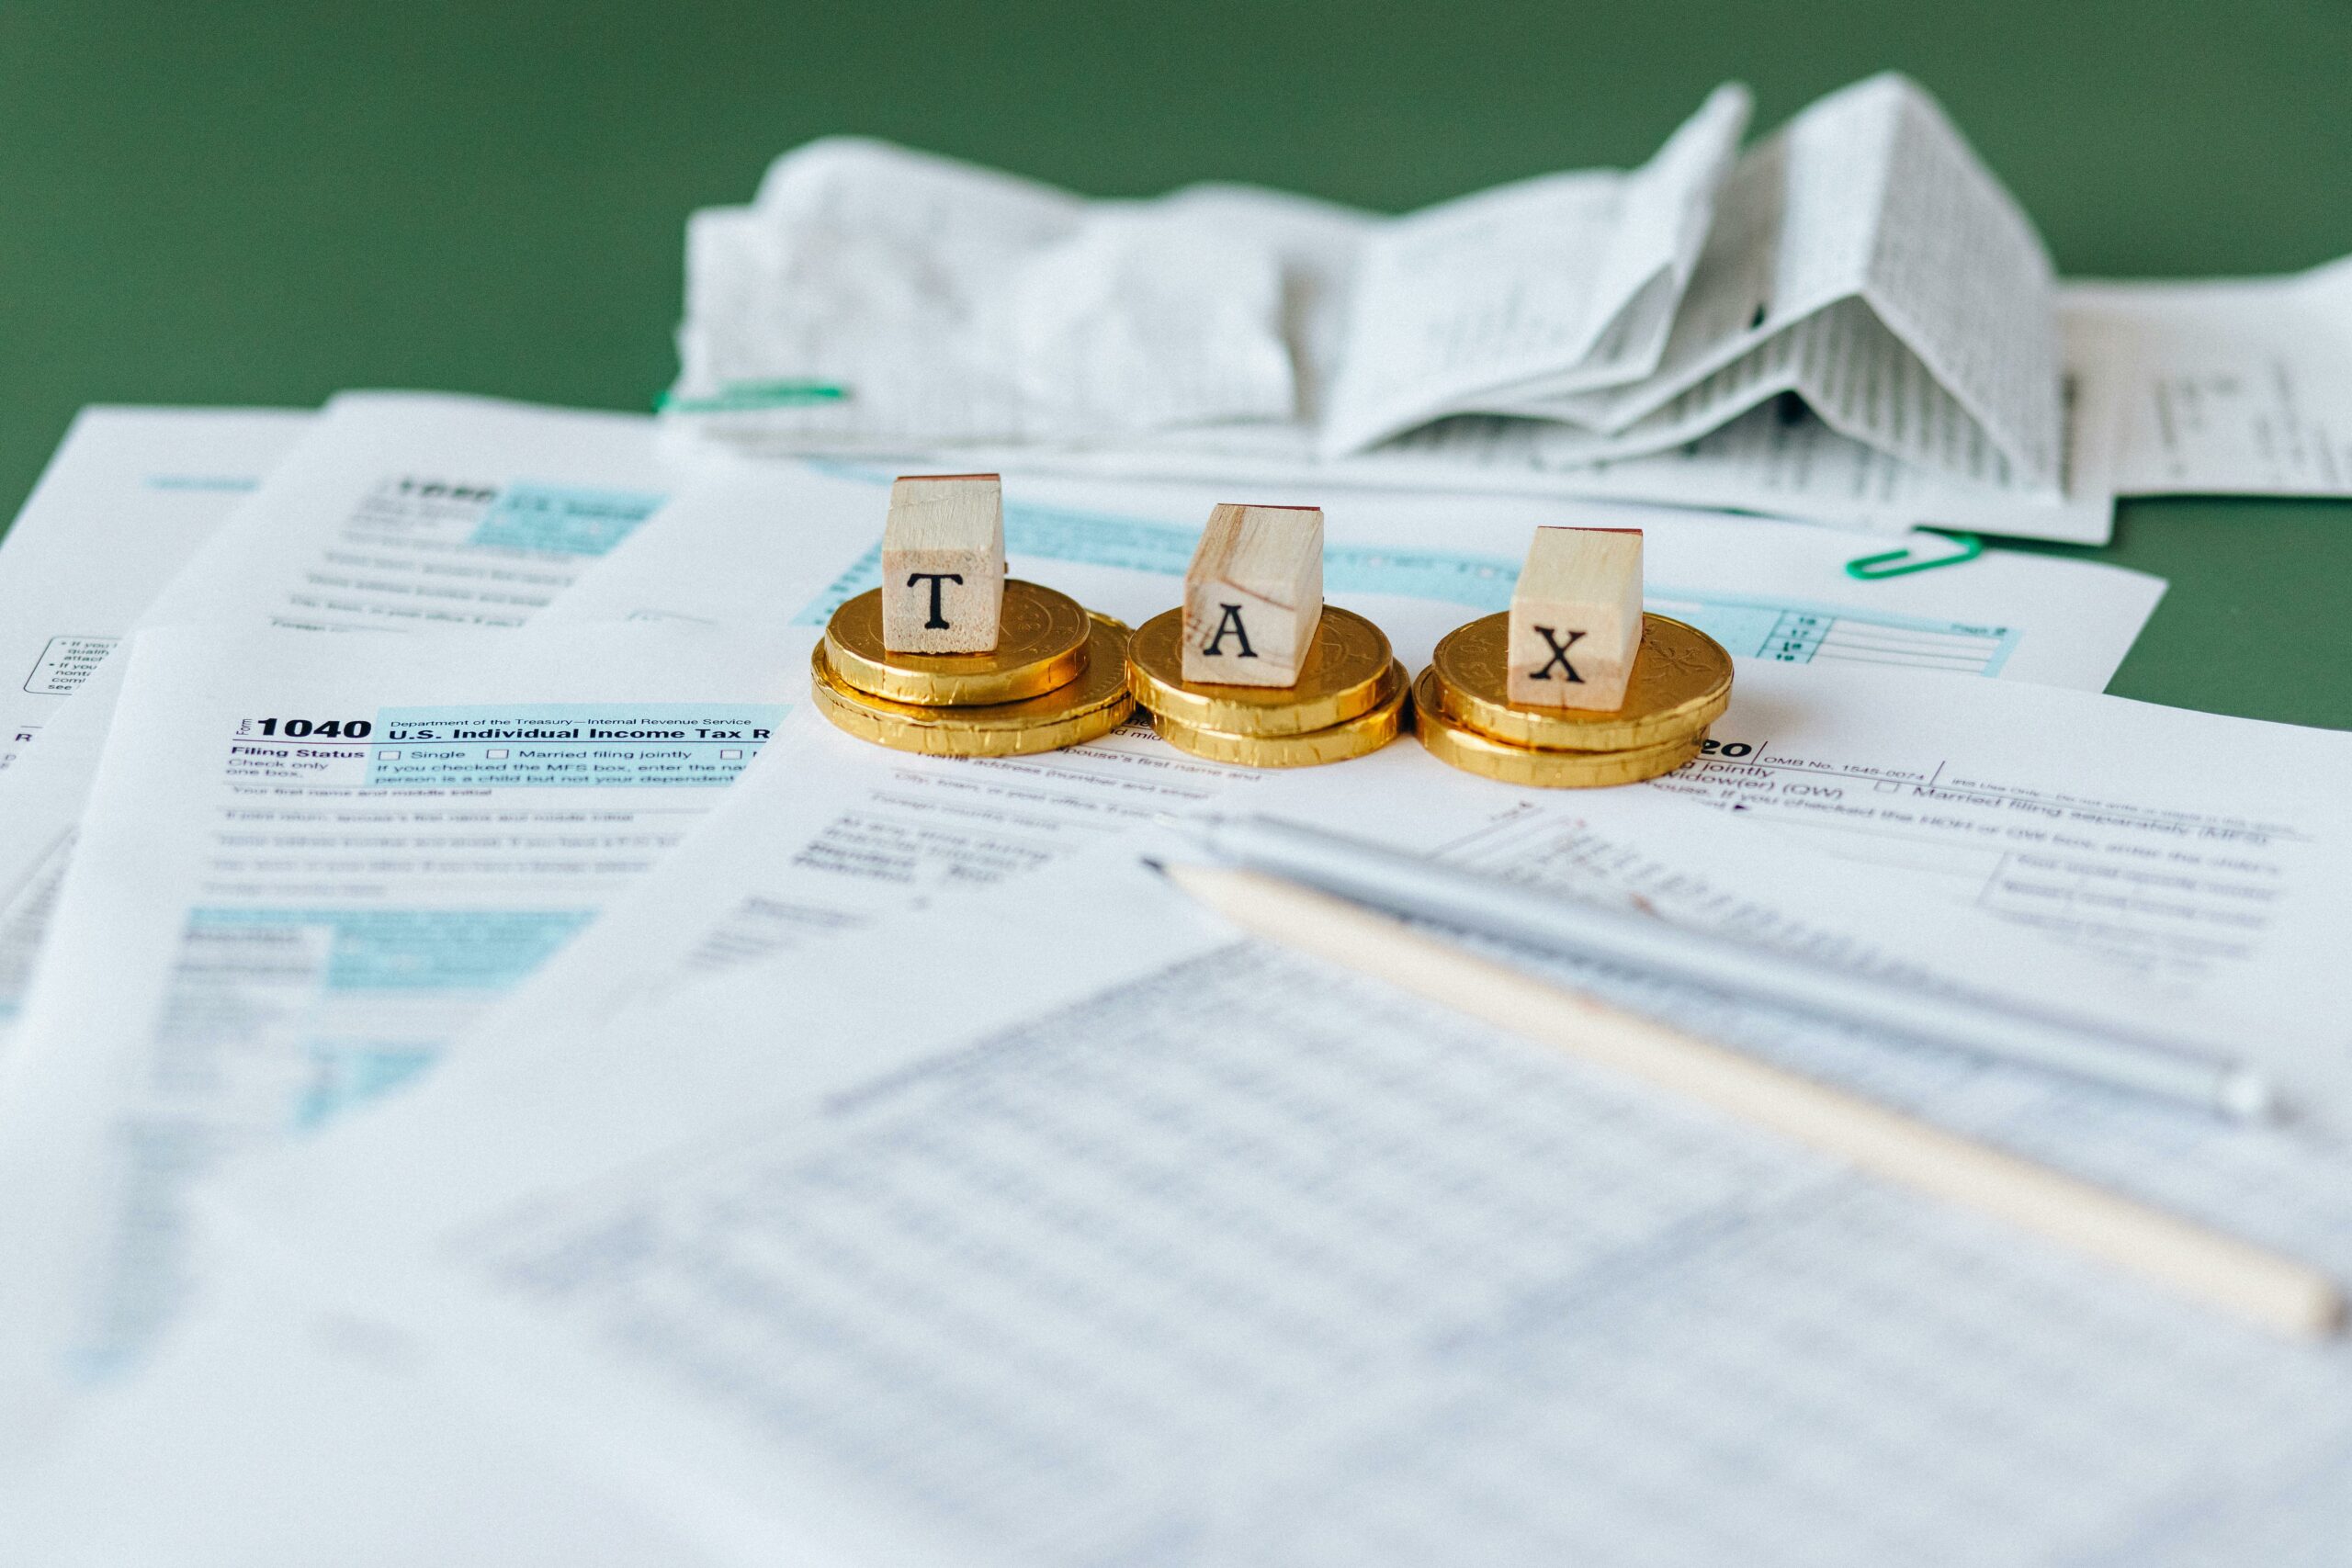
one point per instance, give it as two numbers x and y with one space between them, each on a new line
306 866
391 513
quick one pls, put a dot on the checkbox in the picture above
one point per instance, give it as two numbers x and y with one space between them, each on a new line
388 756
496 753
730 753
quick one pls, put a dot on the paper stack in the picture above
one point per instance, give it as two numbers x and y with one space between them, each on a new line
1851 322
1860 264
487 1074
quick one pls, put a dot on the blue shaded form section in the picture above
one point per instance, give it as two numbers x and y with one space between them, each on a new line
1790 631
391 953
561 520
228 483
1800 633
619 746
417 950
345 1075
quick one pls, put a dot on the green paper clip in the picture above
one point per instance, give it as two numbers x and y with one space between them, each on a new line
1899 563
746 397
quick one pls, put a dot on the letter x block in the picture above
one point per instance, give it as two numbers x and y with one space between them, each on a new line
1575 618
943 564
1253 595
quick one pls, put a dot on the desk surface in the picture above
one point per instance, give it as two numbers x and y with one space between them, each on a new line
264 204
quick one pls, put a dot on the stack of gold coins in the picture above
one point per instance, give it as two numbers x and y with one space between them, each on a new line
1348 698
1681 685
1057 676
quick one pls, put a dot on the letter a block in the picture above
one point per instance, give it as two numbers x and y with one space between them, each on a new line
943 564
1253 595
1575 618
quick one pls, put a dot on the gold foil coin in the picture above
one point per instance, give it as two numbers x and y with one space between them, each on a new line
1682 684
1451 741
1344 675
1366 733
1084 710
1040 644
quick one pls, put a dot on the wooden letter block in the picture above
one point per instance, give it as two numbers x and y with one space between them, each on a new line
943 564
1253 595
1575 618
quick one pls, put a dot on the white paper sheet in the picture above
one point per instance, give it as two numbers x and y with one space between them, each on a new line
394 511
306 866
2203 861
1097 1234
44 793
2211 855
2235 387
128 497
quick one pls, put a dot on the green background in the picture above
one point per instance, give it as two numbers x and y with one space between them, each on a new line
223 203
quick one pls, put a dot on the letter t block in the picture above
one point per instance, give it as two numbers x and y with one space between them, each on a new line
1253 595
1576 619
943 564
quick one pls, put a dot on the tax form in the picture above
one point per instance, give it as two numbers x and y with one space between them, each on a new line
307 864
411 511
1419 565
2201 860
2210 856
129 496
2230 387
1101 1235
836 832
258 1400
393 512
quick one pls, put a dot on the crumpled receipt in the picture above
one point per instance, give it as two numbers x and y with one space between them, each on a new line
879 299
